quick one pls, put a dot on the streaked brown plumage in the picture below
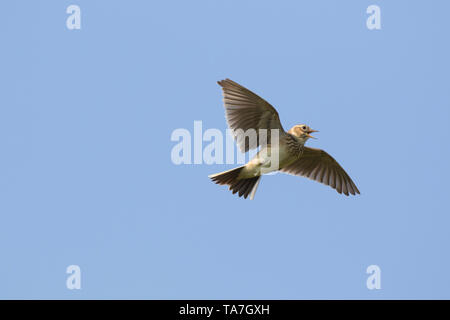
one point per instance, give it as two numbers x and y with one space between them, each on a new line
245 110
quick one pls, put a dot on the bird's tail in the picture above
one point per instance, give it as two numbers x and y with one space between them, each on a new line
244 187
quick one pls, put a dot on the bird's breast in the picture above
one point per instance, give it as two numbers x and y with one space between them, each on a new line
273 157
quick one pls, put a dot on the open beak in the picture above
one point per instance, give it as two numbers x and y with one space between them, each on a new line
311 131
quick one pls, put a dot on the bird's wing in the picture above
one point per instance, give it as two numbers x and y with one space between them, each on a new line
318 165
246 110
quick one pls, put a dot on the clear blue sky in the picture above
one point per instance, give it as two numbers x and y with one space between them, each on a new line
86 176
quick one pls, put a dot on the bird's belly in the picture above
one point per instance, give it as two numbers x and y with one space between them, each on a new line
267 160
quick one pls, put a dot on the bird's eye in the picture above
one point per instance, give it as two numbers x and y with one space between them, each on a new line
304 127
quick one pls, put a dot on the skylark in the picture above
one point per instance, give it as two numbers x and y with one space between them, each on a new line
244 110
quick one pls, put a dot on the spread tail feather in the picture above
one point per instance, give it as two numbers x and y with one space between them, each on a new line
244 187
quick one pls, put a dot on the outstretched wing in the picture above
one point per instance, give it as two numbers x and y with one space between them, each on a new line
245 110
318 165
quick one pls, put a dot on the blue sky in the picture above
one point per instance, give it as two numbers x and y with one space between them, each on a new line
87 179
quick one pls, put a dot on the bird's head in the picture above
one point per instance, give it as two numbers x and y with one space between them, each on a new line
302 132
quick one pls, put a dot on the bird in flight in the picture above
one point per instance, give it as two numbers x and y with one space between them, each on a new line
246 111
